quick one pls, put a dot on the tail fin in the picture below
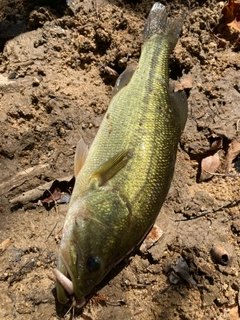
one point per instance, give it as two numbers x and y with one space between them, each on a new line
157 22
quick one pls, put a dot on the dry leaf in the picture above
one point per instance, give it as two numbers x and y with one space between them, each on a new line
54 196
182 269
59 190
209 165
217 144
153 236
231 13
233 152
235 24
233 313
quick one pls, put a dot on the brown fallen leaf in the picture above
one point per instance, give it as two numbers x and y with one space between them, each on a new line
231 13
233 313
153 236
54 196
57 192
232 153
217 143
182 269
99 299
209 165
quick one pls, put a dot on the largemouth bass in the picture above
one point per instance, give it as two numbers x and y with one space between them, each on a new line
123 180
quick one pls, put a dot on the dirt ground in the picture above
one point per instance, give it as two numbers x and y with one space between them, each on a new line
58 66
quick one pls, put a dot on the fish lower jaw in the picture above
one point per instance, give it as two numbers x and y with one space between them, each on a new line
68 286
65 282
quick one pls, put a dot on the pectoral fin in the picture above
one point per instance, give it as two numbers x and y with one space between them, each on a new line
112 166
80 156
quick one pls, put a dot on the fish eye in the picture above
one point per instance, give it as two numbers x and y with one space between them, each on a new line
93 263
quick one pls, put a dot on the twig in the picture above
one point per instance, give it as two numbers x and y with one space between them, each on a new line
221 174
229 205
52 231
96 5
34 194
238 125
21 177
84 26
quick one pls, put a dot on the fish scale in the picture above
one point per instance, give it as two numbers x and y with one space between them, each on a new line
126 176
141 117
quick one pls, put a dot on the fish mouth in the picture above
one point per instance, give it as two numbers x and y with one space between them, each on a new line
66 276
67 284
64 281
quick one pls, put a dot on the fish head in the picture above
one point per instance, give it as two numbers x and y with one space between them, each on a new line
92 244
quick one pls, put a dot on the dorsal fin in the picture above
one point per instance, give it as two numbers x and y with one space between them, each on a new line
80 156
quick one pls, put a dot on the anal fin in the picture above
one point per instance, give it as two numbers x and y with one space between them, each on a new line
124 78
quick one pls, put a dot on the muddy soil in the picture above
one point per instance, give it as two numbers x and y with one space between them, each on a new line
57 70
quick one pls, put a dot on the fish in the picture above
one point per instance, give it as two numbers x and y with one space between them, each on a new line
123 179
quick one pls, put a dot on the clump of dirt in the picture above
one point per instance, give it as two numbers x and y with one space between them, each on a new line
58 65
